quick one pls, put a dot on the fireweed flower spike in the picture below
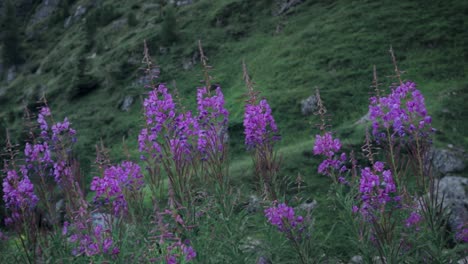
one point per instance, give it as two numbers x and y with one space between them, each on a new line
261 133
377 188
115 183
260 126
159 111
334 164
403 112
284 218
212 120
18 191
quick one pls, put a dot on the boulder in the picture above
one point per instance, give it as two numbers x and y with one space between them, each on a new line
454 192
253 205
11 74
44 10
309 105
126 103
79 13
445 161
356 260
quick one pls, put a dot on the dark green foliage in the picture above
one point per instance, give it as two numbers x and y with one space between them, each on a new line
11 53
132 20
169 26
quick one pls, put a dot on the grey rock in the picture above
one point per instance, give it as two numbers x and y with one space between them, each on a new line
44 10
254 204
187 64
80 11
309 105
364 119
250 245
118 24
453 191
263 260
146 79
286 5
67 22
102 219
11 74
126 103
308 207
163 50
446 161
356 260
181 2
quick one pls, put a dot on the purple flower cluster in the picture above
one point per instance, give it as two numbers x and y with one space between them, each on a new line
260 127
180 250
159 111
39 156
185 130
327 146
99 241
212 120
377 188
283 217
116 181
413 220
18 191
403 111
462 233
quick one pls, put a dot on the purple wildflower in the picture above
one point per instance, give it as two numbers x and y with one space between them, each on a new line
376 190
413 220
117 180
260 127
462 233
212 120
283 217
159 111
327 146
403 111
18 192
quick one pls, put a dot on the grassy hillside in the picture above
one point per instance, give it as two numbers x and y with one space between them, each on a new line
331 45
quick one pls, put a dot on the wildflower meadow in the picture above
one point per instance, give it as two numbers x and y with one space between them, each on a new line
177 202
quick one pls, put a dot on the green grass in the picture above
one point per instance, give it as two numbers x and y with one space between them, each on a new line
331 45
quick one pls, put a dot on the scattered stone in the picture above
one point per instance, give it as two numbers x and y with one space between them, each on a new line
126 103
309 105
454 192
118 24
263 260
250 245
181 2
356 260
79 13
101 219
363 120
308 207
11 74
188 63
163 50
44 10
286 5
463 260
446 161
146 79
254 204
